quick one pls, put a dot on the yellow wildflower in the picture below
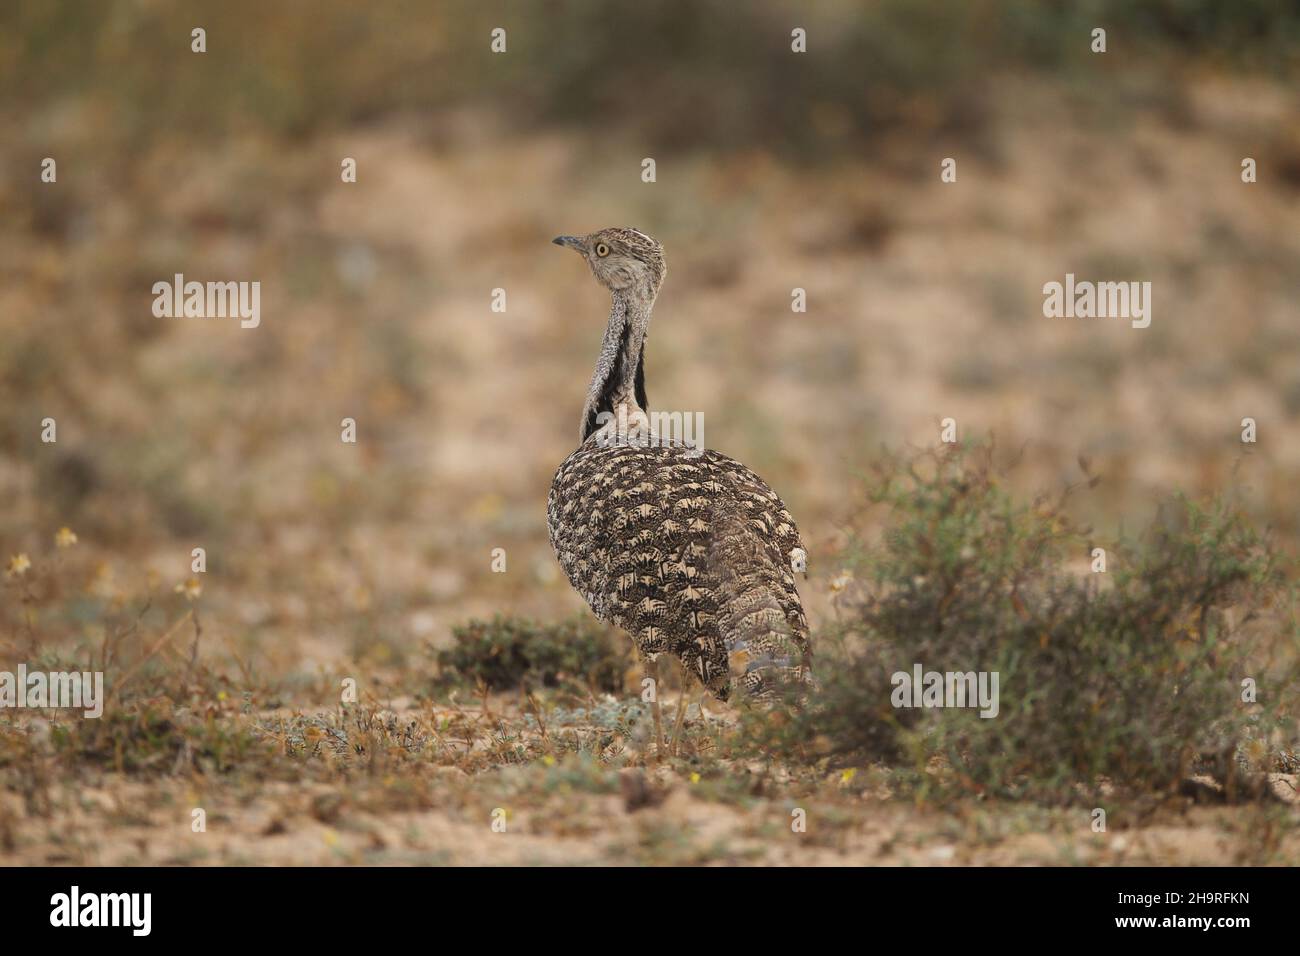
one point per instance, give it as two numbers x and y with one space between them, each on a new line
65 537
191 588
18 565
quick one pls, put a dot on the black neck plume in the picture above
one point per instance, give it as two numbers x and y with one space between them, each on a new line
620 370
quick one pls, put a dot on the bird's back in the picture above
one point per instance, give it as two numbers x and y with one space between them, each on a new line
690 552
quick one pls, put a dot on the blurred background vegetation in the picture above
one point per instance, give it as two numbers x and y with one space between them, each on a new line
775 170
681 73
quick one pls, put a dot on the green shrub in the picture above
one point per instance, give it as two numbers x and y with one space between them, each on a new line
509 652
1132 676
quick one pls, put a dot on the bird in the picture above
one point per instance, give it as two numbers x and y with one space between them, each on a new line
684 548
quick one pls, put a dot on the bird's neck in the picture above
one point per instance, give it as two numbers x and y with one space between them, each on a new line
618 384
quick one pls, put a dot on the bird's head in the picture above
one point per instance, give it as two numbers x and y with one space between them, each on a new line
623 260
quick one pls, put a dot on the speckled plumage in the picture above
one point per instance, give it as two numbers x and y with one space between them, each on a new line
690 552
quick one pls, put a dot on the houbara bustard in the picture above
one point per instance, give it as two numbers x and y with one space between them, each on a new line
687 550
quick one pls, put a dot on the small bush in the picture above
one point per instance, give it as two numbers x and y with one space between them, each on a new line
509 652
1131 676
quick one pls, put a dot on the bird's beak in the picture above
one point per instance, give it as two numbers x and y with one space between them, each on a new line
573 242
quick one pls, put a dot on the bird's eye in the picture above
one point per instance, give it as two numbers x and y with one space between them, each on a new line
602 250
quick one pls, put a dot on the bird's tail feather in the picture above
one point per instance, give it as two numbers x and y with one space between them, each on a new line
767 652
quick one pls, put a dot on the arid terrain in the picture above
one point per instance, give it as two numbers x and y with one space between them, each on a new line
329 563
